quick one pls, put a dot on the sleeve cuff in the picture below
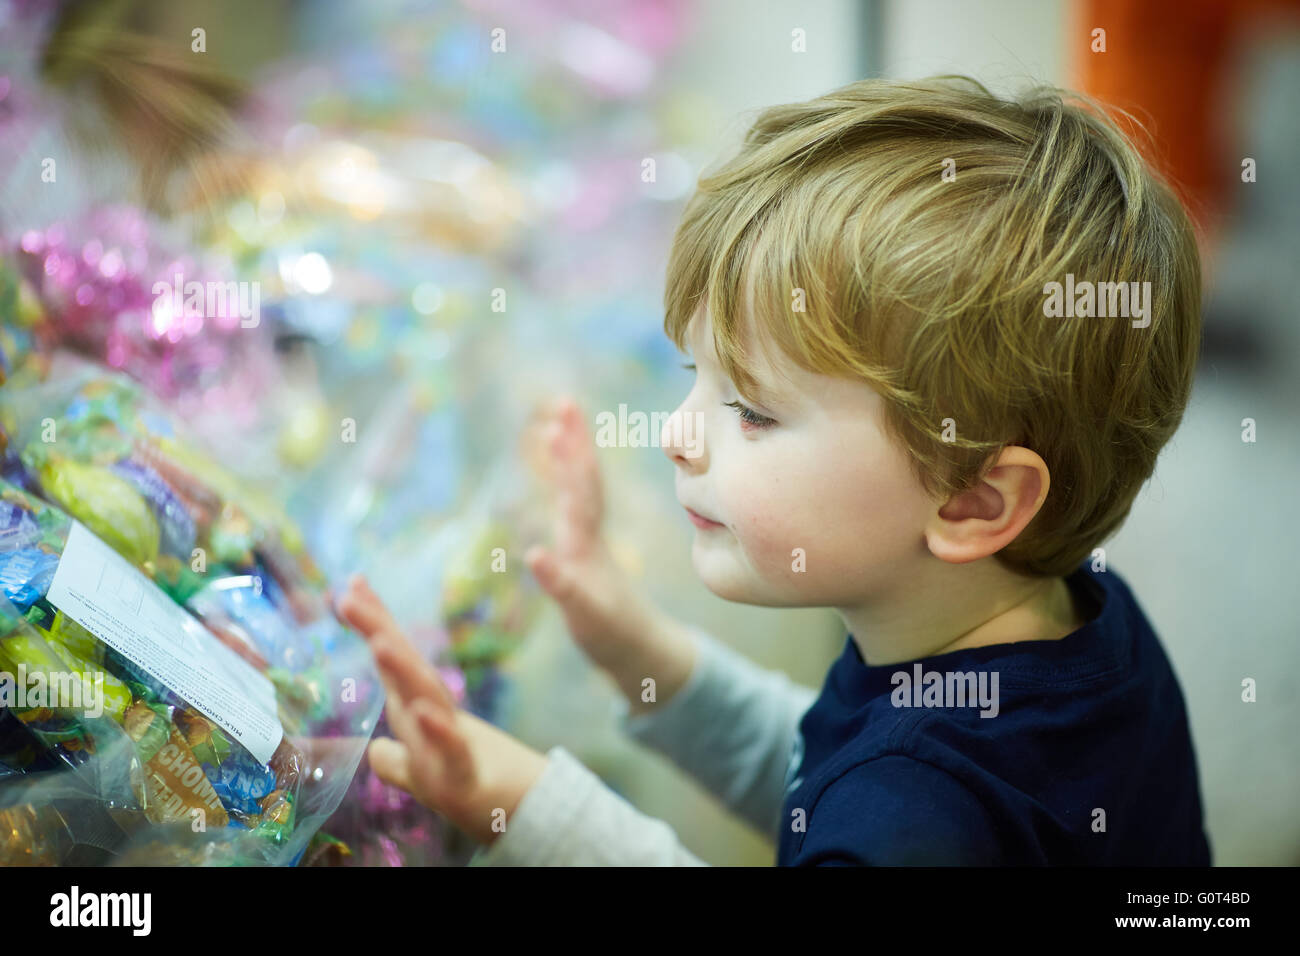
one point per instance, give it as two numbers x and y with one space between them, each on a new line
546 818
570 818
655 726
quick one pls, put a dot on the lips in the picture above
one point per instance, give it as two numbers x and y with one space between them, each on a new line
700 521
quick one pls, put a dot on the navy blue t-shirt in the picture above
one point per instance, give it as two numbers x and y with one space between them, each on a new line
1086 759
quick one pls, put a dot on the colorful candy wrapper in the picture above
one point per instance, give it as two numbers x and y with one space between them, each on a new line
173 517
26 574
254 606
105 503
179 788
18 527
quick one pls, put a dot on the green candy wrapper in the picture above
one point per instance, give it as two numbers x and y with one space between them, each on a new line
163 760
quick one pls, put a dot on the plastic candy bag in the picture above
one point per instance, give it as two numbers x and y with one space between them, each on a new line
173 685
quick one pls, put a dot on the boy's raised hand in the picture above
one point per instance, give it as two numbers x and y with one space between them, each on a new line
610 619
449 760
598 600
433 761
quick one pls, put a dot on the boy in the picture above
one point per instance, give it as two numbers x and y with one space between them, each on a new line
894 421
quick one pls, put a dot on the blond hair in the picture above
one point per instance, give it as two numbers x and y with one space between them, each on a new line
931 288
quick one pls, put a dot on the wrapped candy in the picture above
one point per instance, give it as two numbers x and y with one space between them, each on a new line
18 527
175 522
106 504
25 575
229 728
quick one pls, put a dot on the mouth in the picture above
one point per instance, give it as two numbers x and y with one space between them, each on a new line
701 522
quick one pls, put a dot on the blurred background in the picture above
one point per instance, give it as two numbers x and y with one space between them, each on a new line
454 210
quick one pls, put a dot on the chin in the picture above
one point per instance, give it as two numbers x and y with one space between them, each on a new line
732 591
736 581
726 578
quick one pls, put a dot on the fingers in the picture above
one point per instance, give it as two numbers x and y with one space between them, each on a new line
391 762
442 756
409 675
542 441
559 444
432 762
570 435
396 710
403 670
591 599
573 462
361 608
405 674
568 446
562 581
548 573
430 758
575 451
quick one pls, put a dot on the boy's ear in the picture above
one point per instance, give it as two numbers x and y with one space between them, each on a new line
979 522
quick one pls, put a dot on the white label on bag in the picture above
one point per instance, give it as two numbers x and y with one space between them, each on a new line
108 596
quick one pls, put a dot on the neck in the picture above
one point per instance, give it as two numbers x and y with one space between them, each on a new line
947 607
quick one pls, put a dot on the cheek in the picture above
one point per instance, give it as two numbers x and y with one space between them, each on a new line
774 514
769 535
876 505
845 519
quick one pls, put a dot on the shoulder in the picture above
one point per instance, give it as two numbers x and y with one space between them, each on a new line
894 810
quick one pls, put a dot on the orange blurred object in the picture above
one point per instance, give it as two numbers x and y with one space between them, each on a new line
1167 62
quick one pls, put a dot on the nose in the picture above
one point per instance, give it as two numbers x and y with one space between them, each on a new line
682 438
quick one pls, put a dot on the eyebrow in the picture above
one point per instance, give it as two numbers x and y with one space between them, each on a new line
769 395
766 394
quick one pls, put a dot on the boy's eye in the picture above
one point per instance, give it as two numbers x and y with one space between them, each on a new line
749 416
689 366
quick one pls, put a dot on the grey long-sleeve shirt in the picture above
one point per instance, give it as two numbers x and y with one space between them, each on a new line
734 727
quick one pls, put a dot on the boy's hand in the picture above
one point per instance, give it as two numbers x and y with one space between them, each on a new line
451 761
609 618
580 572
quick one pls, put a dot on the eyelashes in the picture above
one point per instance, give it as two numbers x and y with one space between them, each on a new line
747 414
751 417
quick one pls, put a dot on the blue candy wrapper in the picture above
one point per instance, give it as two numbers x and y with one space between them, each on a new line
174 519
25 575
18 527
